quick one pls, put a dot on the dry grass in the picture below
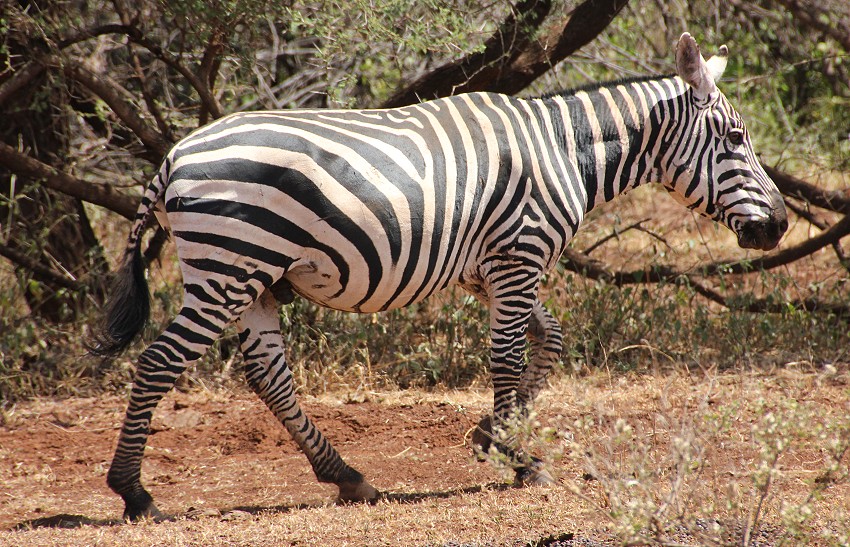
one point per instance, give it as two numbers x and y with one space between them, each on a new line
490 517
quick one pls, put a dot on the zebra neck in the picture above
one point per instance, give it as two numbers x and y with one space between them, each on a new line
617 134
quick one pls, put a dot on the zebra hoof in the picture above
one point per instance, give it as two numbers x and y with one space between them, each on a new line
482 437
148 513
357 492
533 475
138 505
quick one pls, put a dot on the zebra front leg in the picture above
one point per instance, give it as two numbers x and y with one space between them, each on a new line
544 335
271 379
510 314
185 340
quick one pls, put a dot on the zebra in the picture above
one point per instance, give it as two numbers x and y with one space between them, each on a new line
371 210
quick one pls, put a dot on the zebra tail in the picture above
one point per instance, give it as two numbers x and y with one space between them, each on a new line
128 307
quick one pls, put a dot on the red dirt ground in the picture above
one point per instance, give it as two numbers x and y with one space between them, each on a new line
216 452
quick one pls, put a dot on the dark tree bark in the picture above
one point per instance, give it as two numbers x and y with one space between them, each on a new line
51 177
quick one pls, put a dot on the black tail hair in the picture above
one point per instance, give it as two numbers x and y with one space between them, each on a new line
127 309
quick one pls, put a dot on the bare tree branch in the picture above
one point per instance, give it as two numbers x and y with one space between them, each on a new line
786 256
39 269
210 63
201 87
153 140
837 201
98 194
25 74
150 101
766 262
588 20
87 34
578 262
22 77
476 70
812 15
581 263
517 54
36 66
617 232
812 219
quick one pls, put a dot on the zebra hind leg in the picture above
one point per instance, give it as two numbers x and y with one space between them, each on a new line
529 470
546 339
185 340
271 379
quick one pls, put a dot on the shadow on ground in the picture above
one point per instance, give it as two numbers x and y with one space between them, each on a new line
64 520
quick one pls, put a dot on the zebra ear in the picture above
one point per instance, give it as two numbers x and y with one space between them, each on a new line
694 69
717 64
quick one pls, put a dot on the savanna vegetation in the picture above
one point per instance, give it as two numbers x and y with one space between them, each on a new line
94 92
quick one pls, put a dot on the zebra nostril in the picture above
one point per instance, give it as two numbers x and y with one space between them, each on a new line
776 228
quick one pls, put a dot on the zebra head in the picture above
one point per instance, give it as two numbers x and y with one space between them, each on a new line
712 167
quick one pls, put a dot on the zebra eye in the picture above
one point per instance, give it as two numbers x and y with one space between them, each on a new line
736 137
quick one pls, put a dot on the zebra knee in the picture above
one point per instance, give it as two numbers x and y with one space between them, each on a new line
547 329
536 329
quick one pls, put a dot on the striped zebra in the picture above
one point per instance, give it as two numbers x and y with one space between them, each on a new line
370 210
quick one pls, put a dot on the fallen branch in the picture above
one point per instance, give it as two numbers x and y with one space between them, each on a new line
818 223
768 262
576 261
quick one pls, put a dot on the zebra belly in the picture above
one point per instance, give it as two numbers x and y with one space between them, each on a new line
317 278
317 281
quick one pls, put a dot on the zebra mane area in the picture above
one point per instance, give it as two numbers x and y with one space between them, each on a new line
594 86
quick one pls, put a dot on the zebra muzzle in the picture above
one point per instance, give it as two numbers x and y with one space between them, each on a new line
762 234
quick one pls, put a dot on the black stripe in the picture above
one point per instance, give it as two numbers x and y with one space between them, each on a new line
611 139
583 138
